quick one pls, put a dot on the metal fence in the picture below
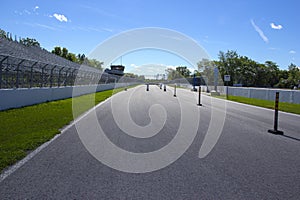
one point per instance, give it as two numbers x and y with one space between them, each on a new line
25 73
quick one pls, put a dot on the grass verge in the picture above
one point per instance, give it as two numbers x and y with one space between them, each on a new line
283 106
24 129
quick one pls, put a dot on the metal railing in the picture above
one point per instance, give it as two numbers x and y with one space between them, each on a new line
25 73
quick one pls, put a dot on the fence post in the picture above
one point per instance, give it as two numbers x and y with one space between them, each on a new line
31 75
1 70
66 77
72 77
59 74
42 75
18 68
275 130
51 75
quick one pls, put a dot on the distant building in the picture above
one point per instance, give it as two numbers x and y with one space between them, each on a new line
116 70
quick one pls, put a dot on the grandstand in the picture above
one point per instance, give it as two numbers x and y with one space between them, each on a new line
30 66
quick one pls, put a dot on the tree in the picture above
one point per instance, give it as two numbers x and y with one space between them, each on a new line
272 73
94 63
141 77
183 71
30 42
2 33
64 53
81 58
130 75
71 57
172 74
57 51
207 70
294 76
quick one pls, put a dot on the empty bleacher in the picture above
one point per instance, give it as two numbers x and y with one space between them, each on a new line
30 66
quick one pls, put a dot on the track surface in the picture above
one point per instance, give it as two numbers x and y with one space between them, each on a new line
246 163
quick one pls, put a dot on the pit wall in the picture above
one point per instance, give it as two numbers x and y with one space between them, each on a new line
16 98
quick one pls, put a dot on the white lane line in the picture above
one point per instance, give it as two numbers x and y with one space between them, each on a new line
20 163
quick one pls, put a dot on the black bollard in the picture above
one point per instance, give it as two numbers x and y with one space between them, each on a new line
147 89
174 91
275 130
165 88
199 97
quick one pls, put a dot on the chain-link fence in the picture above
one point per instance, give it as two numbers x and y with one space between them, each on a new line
25 73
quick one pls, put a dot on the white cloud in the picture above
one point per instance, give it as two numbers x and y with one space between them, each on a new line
60 17
40 25
149 70
107 29
259 31
273 48
35 8
277 27
292 52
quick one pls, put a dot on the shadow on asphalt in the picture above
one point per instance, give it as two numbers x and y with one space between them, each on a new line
290 137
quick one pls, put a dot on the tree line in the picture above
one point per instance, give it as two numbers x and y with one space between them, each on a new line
79 58
242 70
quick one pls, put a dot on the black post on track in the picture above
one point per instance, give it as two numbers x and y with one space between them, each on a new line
175 91
275 130
199 97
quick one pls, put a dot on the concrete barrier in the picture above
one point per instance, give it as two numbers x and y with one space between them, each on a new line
290 96
16 98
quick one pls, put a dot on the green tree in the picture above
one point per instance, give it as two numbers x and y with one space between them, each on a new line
2 33
29 42
64 52
72 57
81 58
172 74
294 76
206 67
183 71
94 63
57 51
141 77
272 73
130 75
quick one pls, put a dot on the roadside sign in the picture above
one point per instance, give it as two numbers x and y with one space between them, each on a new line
227 78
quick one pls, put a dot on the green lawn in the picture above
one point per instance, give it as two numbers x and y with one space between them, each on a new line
283 106
24 129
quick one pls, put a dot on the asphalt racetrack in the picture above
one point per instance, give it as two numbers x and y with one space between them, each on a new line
157 146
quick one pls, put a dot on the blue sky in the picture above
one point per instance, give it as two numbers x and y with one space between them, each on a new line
261 30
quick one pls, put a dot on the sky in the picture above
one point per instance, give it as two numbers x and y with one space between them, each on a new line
261 30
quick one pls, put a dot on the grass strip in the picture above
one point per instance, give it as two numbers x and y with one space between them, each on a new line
24 129
283 106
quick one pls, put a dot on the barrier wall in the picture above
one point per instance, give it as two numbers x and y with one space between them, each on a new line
15 98
290 96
